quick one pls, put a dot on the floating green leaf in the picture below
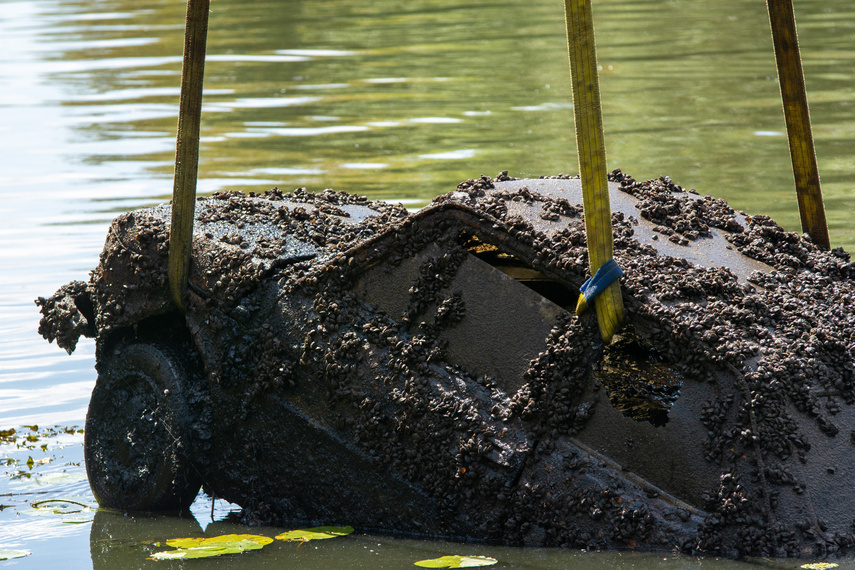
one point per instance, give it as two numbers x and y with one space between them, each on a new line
457 562
316 533
213 546
9 554
819 565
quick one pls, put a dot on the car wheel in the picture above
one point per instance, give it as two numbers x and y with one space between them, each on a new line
138 442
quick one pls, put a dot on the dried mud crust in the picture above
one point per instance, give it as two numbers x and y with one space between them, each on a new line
792 332
130 282
680 219
787 341
456 437
315 220
67 314
128 286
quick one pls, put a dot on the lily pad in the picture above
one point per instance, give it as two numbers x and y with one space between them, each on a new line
316 533
819 565
33 480
9 554
213 546
456 561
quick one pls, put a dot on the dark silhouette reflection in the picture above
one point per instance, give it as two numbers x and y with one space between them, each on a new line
118 540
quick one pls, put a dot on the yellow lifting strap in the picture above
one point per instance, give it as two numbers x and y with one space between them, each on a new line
187 148
592 160
782 20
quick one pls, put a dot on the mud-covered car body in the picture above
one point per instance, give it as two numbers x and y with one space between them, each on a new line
342 361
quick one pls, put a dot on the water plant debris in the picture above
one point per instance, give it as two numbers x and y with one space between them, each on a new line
316 533
457 561
11 554
187 548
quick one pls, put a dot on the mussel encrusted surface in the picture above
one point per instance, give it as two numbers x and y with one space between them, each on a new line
287 337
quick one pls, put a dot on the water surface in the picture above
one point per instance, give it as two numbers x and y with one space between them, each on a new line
398 101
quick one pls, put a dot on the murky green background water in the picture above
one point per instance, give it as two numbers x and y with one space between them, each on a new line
395 100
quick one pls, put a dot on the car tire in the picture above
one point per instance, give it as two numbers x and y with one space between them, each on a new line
138 441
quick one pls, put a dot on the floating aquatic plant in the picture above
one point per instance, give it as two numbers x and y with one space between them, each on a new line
63 508
57 507
819 565
316 533
10 554
456 561
209 547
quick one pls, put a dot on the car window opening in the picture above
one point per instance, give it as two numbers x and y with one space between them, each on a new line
638 383
522 272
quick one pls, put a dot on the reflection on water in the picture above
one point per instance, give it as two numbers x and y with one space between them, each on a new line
394 100
689 89
118 541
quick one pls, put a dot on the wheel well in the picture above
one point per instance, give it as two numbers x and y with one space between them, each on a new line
167 329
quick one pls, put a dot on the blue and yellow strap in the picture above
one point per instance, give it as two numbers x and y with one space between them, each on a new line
608 273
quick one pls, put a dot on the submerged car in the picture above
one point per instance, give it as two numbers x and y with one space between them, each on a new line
344 361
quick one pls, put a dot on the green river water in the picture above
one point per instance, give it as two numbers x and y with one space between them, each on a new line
398 101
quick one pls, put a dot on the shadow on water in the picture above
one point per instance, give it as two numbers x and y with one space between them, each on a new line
128 541
117 540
